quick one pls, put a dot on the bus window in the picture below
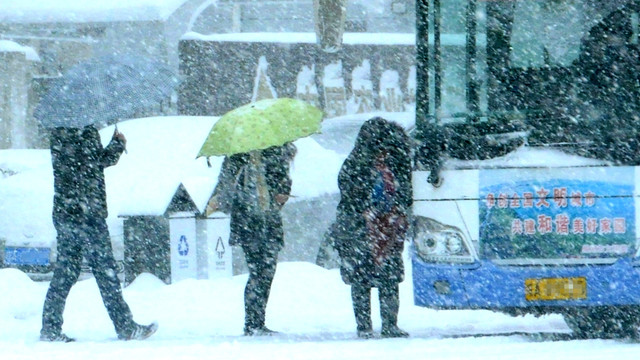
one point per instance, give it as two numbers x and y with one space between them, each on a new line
635 27
542 72
448 55
565 70
548 33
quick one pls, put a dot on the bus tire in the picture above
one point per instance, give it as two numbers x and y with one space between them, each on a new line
603 322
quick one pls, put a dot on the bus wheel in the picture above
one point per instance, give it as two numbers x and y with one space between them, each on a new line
605 322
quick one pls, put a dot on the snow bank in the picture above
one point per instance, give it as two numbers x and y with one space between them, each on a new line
161 154
26 190
311 306
12 46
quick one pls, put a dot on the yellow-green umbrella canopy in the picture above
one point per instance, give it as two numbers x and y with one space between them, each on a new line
260 125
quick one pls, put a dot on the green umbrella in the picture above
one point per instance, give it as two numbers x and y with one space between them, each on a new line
260 125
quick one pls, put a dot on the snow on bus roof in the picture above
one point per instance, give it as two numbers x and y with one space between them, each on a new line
527 156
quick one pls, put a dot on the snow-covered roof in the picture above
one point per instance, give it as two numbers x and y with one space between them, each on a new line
11 46
78 11
348 38
161 155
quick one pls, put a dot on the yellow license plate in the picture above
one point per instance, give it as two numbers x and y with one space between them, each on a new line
555 289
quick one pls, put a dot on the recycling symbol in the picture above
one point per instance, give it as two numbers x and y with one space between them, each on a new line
220 248
183 246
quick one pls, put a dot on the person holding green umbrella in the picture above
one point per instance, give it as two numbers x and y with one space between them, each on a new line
253 186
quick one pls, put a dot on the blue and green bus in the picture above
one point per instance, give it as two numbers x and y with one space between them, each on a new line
527 170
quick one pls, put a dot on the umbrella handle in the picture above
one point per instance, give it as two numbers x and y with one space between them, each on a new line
115 131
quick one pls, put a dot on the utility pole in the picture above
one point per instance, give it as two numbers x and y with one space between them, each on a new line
329 19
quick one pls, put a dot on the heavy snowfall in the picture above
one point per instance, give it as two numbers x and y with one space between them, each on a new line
310 307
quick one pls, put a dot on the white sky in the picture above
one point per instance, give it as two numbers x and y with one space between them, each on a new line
202 319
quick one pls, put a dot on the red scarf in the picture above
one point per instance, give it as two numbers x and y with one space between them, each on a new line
386 229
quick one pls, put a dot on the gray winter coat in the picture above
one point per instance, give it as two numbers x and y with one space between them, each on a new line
251 225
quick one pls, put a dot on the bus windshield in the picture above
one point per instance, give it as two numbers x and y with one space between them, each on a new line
550 33
555 72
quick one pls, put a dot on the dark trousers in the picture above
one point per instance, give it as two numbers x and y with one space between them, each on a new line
389 296
89 237
261 261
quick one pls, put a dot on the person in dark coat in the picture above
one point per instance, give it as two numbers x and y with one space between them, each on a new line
371 222
252 188
79 216
608 72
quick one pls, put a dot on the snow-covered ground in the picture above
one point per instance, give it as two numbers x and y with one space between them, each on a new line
309 305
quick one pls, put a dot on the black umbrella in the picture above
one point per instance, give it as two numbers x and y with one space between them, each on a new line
105 89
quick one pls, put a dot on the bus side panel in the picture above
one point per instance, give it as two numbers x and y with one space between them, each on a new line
438 285
484 285
492 286
636 202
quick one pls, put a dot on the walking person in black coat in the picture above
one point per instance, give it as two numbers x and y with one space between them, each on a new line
375 198
252 188
79 216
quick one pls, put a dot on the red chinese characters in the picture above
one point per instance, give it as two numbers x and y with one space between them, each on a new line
541 198
563 224
560 197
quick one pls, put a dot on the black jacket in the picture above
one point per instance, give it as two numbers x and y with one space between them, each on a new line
356 179
249 225
78 160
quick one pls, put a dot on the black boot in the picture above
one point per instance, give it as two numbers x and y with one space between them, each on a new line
393 331
259 331
389 306
361 297
262 268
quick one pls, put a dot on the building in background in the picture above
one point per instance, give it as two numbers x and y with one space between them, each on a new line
64 33
17 64
61 34
297 16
